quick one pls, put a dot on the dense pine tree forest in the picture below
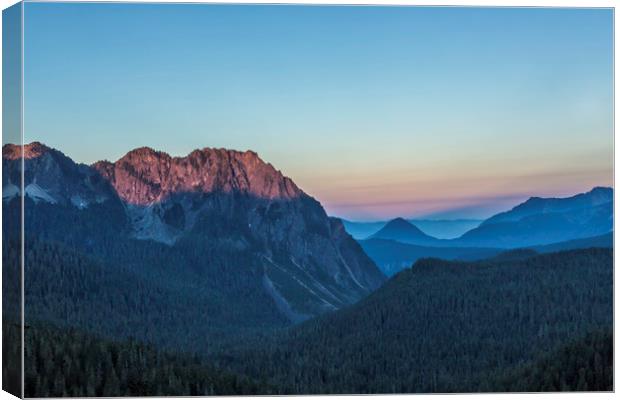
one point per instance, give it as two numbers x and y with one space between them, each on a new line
584 364
11 357
155 305
441 327
60 363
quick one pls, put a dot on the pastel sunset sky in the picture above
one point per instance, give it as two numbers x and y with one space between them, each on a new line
377 112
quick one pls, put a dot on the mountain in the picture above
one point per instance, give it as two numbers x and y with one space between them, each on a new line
392 256
541 221
442 326
404 231
538 205
212 216
537 221
441 229
51 177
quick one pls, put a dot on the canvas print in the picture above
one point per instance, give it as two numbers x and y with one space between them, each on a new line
204 199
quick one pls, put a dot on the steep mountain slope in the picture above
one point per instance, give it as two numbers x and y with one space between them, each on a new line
227 211
442 326
392 256
404 231
544 221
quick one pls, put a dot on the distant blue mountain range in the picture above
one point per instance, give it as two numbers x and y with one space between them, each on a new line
542 224
540 221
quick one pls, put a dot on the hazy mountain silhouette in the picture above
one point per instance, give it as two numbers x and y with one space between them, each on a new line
404 231
439 228
540 221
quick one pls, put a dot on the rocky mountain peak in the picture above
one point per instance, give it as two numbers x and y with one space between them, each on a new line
29 151
144 176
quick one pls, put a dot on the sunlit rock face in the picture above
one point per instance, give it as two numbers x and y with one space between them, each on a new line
144 176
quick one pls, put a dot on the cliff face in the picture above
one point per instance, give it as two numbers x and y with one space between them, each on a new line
144 176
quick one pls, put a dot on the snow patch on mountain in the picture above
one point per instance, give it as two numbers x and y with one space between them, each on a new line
37 193
9 191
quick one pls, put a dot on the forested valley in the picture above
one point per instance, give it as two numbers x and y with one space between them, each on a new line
518 322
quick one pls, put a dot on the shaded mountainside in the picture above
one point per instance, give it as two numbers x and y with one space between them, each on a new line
441 326
212 211
51 177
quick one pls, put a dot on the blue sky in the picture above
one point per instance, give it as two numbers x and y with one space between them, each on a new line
376 111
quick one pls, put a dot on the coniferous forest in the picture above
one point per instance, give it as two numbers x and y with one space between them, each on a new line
436 327
67 363
442 326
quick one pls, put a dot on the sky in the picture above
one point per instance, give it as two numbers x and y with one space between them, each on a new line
377 112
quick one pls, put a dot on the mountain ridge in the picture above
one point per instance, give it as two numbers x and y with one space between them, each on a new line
537 221
232 205
536 205
158 175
